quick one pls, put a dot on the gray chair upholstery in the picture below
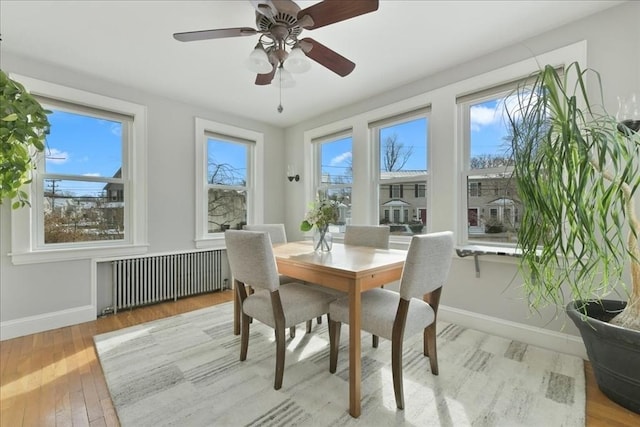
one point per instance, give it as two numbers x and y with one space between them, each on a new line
277 232
396 315
278 235
252 263
374 236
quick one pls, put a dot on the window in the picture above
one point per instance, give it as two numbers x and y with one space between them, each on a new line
336 174
489 185
88 192
228 195
401 146
80 187
226 183
475 189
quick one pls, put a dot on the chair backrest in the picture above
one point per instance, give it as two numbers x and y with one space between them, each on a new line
375 236
276 231
251 258
427 265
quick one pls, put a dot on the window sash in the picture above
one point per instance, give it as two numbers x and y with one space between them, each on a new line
40 176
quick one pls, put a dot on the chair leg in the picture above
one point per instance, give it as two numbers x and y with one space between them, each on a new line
374 341
334 344
309 324
292 332
280 352
244 337
396 369
430 347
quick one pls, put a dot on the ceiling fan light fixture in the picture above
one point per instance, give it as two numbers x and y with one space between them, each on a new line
258 60
297 62
283 79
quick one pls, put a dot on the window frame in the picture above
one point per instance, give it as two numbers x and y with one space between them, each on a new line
204 128
27 241
40 177
464 104
374 128
317 185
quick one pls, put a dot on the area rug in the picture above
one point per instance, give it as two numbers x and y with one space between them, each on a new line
185 371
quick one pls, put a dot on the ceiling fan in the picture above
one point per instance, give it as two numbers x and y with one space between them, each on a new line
280 23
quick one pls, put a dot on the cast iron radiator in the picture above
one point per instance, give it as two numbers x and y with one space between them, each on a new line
150 279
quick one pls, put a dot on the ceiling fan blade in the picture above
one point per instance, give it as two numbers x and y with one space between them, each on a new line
265 79
332 11
328 58
214 34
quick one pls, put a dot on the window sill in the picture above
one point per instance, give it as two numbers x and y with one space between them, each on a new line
478 250
211 242
74 254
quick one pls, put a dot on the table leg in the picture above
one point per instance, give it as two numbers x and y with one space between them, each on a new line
355 370
236 309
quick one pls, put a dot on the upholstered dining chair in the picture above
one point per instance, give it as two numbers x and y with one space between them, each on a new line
396 315
374 236
277 232
252 263
278 235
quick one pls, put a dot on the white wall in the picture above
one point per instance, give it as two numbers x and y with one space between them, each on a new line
41 296
612 47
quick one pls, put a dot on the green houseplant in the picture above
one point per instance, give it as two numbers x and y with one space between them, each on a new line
24 126
576 171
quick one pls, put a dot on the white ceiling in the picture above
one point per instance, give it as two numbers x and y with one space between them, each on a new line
131 43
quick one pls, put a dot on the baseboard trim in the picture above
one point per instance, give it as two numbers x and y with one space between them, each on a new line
44 322
544 338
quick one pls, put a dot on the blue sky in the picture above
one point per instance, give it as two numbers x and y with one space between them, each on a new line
488 130
85 146
233 154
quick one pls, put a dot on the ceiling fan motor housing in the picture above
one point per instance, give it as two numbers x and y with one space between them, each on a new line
284 24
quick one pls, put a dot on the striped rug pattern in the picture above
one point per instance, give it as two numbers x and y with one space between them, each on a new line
185 371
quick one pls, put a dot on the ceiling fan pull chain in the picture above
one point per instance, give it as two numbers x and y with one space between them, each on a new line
280 109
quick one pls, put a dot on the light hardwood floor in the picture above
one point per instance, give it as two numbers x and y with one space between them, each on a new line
54 378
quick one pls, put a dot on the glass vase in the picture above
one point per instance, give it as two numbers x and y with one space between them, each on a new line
322 239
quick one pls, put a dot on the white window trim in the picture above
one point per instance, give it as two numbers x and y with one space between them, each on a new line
422 111
565 55
255 170
24 248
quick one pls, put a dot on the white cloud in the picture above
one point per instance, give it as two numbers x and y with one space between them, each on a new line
53 155
116 129
340 158
484 116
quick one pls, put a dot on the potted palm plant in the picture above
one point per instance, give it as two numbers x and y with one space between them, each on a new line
576 171
22 135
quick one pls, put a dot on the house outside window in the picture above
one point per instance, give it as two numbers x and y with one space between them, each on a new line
489 184
80 176
401 145
475 189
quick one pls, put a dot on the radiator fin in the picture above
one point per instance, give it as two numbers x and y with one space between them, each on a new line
151 279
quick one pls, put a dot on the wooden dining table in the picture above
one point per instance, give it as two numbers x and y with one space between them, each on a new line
351 269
